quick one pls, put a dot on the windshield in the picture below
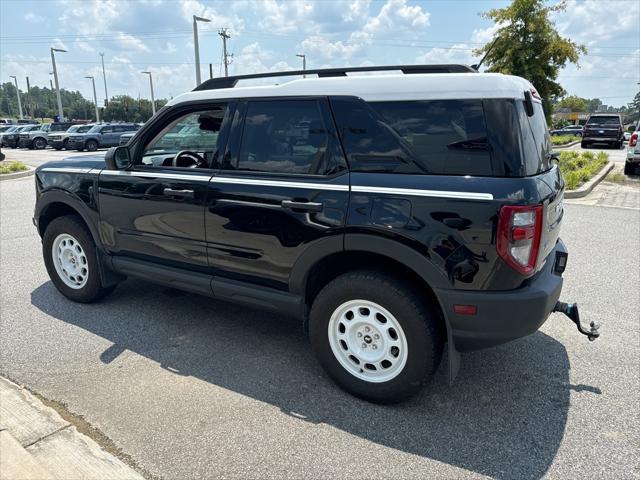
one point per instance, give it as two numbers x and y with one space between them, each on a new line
94 129
6 129
604 121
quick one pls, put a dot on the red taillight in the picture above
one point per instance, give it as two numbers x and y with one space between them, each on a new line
633 140
519 232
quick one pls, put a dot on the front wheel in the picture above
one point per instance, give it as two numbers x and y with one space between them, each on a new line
71 260
375 336
39 144
91 145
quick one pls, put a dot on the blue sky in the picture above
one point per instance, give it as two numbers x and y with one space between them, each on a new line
156 35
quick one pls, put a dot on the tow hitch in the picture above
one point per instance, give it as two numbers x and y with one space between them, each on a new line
571 311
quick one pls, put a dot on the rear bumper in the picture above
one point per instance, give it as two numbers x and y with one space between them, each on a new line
503 316
596 139
633 157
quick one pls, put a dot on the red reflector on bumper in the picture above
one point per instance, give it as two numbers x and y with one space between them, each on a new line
465 309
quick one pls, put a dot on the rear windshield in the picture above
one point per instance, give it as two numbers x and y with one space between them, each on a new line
604 121
492 137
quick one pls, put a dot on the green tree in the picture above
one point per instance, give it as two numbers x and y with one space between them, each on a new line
634 107
528 45
573 103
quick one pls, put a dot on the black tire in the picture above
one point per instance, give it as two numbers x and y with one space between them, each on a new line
64 143
91 145
583 144
39 144
74 226
420 323
629 168
58 148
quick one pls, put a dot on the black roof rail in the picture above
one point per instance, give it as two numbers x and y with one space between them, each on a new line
230 82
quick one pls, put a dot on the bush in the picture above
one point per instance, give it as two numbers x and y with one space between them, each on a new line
579 167
564 139
12 167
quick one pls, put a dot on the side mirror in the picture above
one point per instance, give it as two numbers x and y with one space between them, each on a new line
118 158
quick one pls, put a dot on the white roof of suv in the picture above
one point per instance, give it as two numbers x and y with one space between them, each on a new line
429 86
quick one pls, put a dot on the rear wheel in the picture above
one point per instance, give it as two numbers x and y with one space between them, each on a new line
375 336
629 168
91 145
71 260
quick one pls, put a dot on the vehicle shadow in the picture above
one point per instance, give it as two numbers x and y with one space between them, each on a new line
504 417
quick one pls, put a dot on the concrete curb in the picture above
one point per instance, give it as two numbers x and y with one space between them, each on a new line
555 147
36 443
13 176
586 189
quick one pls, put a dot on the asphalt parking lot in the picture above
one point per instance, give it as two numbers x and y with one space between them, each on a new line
192 388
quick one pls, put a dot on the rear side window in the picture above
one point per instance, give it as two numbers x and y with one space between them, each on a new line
448 136
536 142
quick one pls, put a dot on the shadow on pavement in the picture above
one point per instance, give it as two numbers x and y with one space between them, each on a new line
505 416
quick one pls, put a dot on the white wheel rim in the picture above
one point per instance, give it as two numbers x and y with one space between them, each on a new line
368 341
70 261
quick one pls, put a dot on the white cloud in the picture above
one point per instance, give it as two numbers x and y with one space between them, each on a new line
84 46
33 18
396 15
130 42
458 53
57 43
189 8
90 16
168 48
585 21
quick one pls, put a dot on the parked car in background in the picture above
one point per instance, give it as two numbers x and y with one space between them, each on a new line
58 138
603 128
633 152
125 137
12 139
35 138
6 121
568 130
99 136
7 130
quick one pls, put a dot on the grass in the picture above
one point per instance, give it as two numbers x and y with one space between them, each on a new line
12 167
564 139
578 167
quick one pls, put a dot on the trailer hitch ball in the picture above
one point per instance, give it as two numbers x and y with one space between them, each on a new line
571 311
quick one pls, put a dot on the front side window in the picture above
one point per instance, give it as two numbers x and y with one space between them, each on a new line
284 136
190 141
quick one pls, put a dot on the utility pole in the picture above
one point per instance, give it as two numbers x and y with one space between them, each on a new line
95 98
196 46
104 77
304 62
18 93
226 58
153 102
55 76
27 102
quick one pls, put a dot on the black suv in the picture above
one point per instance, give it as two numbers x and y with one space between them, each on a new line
603 128
392 224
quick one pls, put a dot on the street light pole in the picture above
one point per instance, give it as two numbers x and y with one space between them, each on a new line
153 102
304 62
18 93
95 98
196 46
104 77
55 77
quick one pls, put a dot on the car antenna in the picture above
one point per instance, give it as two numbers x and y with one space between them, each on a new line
477 66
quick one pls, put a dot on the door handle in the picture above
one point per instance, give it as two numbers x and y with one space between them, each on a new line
170 192
306 206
